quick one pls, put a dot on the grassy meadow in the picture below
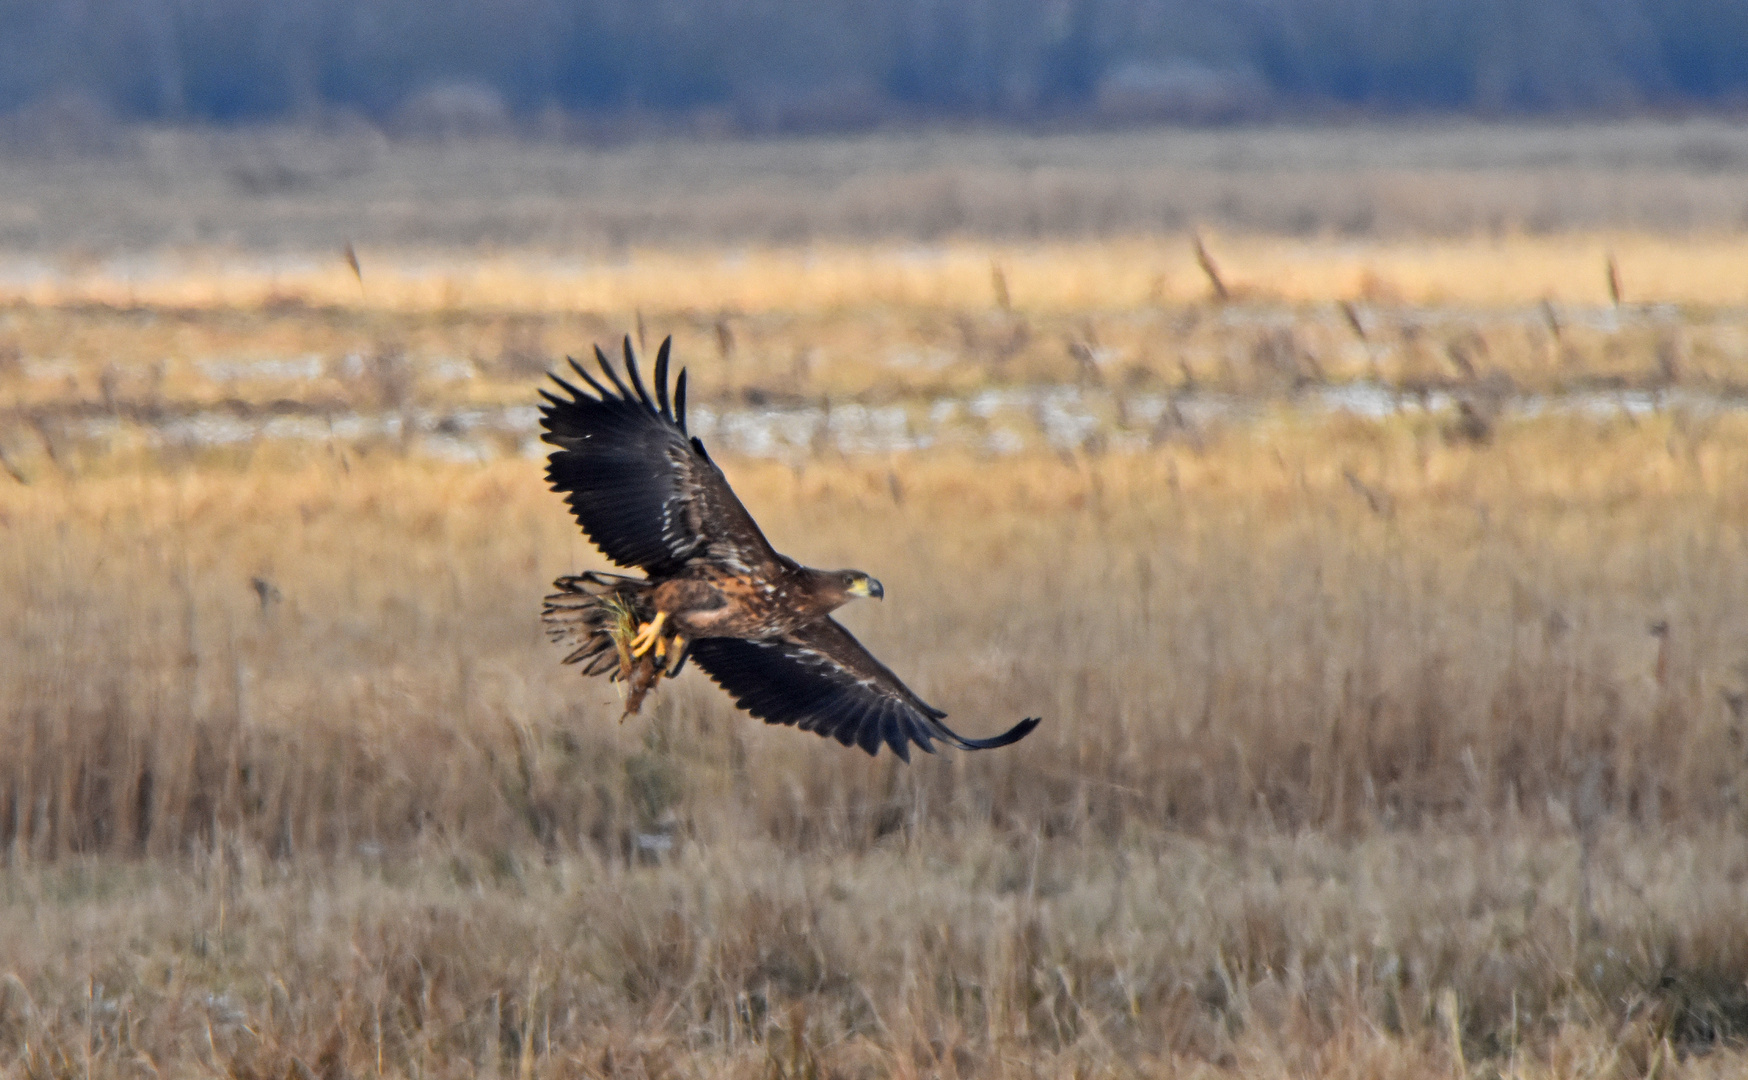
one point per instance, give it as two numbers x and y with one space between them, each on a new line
1386 602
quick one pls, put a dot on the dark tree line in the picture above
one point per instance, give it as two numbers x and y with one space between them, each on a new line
835 63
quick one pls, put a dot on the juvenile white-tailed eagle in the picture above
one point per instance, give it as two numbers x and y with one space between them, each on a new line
757 622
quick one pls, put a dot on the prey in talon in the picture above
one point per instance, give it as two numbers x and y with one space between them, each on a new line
612 629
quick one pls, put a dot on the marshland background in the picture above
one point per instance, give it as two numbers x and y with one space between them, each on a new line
1363 507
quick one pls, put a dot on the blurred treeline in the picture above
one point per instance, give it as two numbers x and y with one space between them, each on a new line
820 64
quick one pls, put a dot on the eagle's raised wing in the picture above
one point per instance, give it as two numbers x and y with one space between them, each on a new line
642 488
821 679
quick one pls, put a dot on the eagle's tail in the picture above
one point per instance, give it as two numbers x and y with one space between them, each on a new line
592 613
597 615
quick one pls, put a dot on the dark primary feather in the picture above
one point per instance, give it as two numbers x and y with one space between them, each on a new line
639 485
821 679
661 380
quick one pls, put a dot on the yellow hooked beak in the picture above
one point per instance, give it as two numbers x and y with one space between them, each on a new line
867 586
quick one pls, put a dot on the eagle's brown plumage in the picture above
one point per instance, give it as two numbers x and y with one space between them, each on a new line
715 591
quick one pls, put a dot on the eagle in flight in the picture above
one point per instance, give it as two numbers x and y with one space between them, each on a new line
715 591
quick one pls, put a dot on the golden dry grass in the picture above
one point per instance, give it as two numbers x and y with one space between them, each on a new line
782 327
1342 723
1076 277
1400 955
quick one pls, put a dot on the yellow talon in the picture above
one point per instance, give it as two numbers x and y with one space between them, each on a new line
648 634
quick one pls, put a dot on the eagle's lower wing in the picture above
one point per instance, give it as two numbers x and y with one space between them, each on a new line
640 486
821 679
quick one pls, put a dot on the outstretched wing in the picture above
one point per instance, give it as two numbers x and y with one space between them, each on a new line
821 679
641 487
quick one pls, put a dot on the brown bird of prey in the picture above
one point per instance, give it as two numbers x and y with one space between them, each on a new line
758 623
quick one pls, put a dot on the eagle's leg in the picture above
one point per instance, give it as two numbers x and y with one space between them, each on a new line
648 634
676 656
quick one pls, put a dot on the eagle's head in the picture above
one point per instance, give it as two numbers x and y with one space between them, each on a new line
855 583
827 590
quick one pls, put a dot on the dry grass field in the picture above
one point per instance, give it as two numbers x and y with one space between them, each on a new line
1388 619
